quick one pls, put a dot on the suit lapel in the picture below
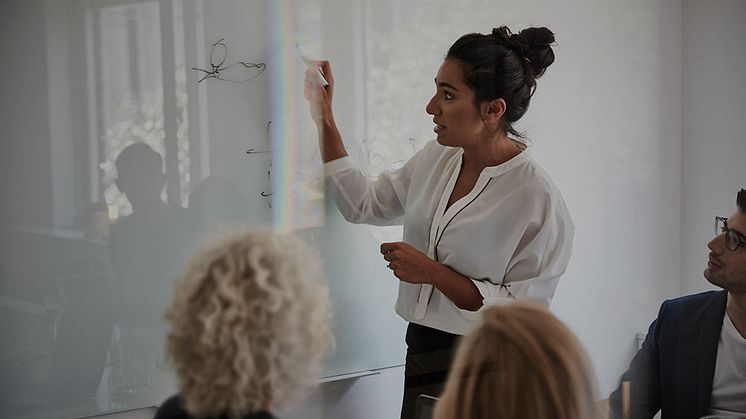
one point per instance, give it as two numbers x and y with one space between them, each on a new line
707 347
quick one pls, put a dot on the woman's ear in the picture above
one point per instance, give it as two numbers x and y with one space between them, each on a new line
492 110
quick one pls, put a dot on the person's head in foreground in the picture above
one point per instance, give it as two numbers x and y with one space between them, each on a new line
250 323
521 362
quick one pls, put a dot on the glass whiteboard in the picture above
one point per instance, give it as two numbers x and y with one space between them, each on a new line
140 130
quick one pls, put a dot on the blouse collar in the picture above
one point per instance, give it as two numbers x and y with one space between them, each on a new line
493 171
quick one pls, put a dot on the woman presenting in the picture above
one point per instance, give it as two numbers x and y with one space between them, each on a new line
483 222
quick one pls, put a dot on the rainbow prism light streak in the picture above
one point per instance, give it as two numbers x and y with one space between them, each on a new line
297 177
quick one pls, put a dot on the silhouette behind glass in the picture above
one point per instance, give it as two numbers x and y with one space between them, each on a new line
145 251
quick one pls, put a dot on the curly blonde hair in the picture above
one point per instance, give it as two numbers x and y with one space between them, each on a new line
522 362
250 324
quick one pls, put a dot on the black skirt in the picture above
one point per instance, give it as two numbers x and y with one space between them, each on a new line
429 356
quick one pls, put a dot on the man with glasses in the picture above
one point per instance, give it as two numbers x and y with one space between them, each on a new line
693 361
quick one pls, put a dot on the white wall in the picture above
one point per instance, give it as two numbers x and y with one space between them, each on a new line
714 135
608 126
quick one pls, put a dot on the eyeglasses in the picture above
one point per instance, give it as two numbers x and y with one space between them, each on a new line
733 239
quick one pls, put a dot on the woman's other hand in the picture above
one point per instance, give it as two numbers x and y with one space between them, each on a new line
409 264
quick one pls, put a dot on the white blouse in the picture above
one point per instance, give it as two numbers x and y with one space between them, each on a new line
511 235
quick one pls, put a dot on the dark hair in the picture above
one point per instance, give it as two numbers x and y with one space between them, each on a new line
137 157
741 200
505 65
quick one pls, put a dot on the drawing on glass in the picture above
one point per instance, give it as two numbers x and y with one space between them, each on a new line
269 172
240 72
253 151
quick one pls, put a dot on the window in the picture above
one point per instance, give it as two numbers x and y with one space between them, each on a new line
137 91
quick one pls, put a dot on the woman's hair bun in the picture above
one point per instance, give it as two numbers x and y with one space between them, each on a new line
504 65
539 52
532 44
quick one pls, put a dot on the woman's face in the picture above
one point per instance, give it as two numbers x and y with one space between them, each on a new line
456 116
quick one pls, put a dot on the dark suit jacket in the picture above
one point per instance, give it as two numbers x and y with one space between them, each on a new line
673 370
173 408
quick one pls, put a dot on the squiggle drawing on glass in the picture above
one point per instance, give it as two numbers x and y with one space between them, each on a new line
240 72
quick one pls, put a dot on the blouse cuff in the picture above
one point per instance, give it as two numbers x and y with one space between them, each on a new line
337 165
487 300
492 295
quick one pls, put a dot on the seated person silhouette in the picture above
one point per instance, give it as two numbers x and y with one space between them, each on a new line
145 249
249 325
144 245
693 360
521 362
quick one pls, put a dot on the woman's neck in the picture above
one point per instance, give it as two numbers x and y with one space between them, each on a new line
491 152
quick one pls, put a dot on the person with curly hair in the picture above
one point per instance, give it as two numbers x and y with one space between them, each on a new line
521 362
483 222
250 324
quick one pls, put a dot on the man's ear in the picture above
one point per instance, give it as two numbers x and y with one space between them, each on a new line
492 111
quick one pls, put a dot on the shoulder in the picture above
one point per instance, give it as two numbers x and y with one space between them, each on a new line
693 301
694 306
529 184
172 408
536 177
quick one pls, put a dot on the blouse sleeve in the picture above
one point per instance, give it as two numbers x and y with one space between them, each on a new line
540 258
362 200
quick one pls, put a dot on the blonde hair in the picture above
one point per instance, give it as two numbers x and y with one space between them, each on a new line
522 362
250 323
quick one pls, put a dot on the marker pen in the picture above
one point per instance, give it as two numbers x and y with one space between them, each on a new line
324 82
